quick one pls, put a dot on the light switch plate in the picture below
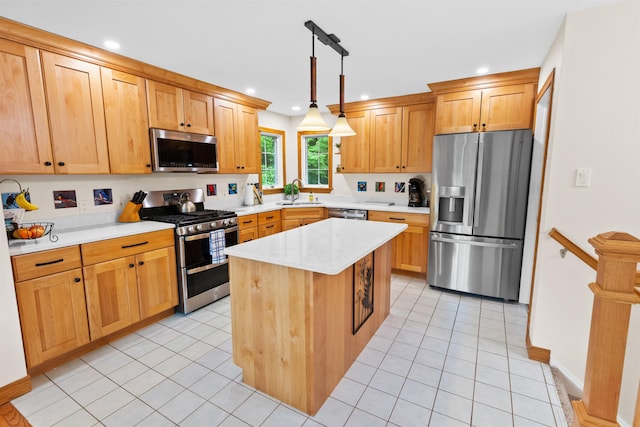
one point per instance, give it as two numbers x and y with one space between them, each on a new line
583 177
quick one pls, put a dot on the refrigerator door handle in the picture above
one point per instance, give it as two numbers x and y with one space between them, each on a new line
476 208
475 243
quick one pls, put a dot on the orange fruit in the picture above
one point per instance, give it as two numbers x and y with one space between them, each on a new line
22 233
36 231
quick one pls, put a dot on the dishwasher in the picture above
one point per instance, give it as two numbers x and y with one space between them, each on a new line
347 213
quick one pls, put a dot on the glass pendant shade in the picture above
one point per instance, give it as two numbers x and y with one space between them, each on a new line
313 121
341 128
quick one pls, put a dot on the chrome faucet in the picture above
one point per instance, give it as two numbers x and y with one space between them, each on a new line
294 195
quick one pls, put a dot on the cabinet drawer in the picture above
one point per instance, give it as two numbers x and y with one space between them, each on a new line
302 213
124 246
247 234
413 219
43 263
269 229
247 221
267 217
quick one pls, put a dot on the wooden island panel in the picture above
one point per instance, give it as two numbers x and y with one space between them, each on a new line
292 329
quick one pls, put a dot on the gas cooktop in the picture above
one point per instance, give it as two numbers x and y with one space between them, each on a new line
196 217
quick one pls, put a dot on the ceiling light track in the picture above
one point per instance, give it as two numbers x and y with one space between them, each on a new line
330 40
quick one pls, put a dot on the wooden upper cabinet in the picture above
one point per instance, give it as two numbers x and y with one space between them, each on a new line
174 108
238 137
76 115
125 105
354 150
385 138
502 101
24 134
418 126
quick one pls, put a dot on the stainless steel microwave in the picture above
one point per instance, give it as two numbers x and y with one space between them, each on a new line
174 151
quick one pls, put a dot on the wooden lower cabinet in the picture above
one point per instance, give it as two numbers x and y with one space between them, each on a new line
157 281
51 302
410 248
247 228
297 217
269 223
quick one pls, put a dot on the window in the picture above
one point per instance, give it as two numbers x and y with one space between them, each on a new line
272 159
314 161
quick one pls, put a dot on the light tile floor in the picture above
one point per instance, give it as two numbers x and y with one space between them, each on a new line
440 359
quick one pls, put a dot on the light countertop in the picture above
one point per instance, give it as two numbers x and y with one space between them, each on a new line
326 247
77 236
371 206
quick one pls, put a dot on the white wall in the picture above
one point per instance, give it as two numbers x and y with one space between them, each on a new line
595 124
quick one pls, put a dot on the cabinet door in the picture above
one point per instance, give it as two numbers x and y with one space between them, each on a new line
198 113
224 115
53 315
125 107
269 229
246 234
24 138
112 296
385 138
166 110
458 112
76 113
354 150
157 281
411 249
248 142
418 124
507 107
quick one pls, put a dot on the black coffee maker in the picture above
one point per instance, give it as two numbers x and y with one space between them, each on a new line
416 192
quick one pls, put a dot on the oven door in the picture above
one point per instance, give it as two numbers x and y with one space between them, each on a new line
202 282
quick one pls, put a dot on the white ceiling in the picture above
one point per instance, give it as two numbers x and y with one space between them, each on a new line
396 47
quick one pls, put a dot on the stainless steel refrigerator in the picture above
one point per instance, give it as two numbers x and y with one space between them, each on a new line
478 209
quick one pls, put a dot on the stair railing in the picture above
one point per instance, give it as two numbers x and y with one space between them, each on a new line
614 292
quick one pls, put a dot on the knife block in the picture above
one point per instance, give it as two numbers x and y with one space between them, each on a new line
130 212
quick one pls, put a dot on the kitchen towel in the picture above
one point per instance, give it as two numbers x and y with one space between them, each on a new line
216 246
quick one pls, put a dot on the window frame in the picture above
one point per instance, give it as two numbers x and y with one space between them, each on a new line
301 158
282 159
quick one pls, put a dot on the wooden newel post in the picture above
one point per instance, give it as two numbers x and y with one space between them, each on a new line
619 254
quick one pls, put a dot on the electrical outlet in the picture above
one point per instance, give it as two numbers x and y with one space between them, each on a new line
84 207
583 178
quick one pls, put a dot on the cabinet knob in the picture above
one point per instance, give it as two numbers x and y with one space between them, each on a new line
237 167
47 163
484 125
77 279
131 265
148 165
60 163
188 125
475 125
141 263
181 124
397 167
403 166
241 167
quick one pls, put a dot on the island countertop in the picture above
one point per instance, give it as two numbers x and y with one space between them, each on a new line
326 247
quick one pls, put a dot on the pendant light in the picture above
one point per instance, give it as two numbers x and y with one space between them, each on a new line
313 121
341 128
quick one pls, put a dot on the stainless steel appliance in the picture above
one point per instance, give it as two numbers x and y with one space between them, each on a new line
347 213
174 151
479 192
416 192
203 273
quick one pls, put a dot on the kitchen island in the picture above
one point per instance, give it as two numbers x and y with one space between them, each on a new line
305 302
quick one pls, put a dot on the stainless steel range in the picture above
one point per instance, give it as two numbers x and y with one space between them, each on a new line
201 235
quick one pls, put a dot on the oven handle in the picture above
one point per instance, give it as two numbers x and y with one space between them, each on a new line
205 267
206 235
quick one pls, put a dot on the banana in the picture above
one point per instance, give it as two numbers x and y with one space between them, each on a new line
24 203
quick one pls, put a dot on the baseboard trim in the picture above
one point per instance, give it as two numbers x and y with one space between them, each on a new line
15 389
538 354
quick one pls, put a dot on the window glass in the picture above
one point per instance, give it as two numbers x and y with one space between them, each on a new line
315 159
272 159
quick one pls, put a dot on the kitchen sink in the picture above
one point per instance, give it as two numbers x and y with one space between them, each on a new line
297 203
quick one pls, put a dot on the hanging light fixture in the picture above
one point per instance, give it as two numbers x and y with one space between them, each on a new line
313 121
342 128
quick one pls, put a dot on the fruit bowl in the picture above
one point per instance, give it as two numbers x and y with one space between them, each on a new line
31 230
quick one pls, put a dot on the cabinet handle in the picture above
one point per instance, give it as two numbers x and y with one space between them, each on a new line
60 163
55 261
77 279
397 219
141 263
269 226
131 265
134 245
48 163
269 217
247 222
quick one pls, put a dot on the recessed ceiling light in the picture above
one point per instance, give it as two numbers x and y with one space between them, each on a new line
250 91
111 44
364 97
296 108
482 70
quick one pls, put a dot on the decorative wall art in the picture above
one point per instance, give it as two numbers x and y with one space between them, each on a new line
379 187
362 185
362 291
212 189
233 188
102 196
65 199
399 187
